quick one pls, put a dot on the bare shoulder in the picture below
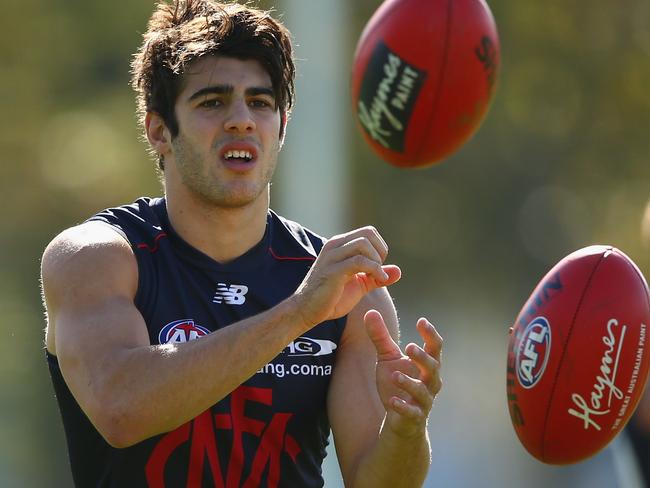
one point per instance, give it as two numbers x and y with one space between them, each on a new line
82 239
82 266
84 250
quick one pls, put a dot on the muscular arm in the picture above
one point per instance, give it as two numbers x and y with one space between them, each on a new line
381 441
101 341
90 278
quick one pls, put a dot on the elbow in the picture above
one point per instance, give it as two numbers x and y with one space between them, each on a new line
118 438
116 434
119 428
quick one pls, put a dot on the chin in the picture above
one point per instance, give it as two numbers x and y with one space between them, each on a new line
235 199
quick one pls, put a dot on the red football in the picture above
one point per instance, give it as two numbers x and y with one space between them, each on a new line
423 77
578 355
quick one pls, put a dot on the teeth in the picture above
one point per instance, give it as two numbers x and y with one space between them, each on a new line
239 155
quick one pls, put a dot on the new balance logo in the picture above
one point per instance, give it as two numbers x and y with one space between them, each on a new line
230 294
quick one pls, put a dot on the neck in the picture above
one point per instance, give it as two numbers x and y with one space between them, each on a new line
222 233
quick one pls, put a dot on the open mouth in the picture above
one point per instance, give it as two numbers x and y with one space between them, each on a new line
235 156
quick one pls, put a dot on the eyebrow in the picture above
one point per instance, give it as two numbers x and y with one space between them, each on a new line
228 89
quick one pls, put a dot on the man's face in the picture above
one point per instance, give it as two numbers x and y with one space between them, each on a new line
229 132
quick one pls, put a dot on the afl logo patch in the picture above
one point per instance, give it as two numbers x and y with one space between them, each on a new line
533 352
181 331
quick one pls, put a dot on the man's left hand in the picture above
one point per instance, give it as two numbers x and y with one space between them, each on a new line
407 381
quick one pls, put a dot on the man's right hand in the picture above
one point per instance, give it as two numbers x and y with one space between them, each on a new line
349 266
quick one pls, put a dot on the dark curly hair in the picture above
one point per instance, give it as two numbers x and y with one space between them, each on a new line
186 30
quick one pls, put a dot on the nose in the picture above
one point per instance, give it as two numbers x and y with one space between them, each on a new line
239 118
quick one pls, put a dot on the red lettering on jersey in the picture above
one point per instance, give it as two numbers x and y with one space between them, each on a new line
241 424
222 421
155 468
273 441
269 452
204 445
292 447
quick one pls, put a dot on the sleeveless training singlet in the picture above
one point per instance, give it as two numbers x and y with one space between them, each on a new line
272 430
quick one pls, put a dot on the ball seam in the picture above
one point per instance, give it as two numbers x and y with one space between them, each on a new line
564 350
439 78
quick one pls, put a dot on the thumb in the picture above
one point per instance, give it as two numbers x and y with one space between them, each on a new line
386 347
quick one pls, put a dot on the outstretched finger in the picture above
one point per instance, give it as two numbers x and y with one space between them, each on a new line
386 347
432 339
428 366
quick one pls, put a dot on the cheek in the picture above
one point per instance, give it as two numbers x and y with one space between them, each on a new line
273 131
272 145
197 121
199 137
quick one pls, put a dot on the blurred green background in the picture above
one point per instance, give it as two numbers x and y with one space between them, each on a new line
560 162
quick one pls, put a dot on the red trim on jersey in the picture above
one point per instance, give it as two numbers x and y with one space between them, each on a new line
290 258
146 246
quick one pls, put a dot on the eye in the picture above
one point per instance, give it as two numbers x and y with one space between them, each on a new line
210 103
261 103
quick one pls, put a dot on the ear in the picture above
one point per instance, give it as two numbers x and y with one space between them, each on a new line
284 118
157 133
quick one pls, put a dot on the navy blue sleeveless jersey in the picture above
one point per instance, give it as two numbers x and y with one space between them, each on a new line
272 430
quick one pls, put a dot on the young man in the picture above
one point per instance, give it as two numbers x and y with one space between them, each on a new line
202 340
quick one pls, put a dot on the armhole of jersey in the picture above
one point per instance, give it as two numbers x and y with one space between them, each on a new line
342 323
317 243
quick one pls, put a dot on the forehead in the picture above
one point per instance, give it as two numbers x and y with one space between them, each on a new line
222 70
